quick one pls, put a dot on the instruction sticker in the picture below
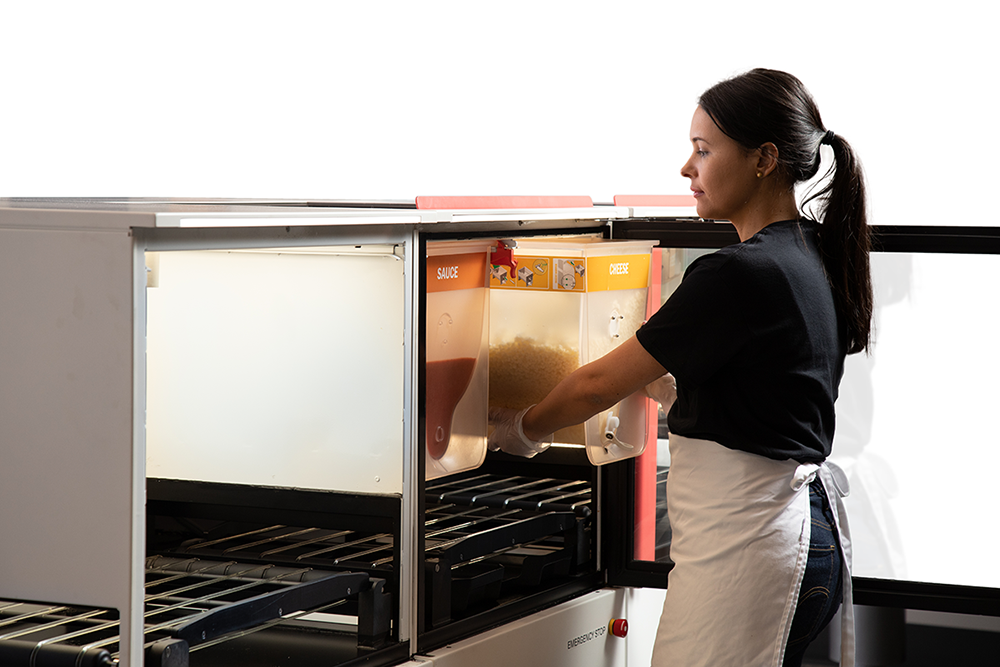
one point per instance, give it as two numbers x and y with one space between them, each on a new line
565 274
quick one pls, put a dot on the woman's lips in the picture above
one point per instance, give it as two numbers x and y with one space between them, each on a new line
697 193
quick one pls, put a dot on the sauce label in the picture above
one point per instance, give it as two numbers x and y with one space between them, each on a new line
455 272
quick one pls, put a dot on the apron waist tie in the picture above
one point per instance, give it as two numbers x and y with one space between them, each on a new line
837 488
804 474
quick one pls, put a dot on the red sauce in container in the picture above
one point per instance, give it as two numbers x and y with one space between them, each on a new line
447 381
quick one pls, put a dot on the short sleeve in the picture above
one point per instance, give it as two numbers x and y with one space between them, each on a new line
701 327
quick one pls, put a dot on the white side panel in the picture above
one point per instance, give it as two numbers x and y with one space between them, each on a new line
277 369
568 635
644 608
67 509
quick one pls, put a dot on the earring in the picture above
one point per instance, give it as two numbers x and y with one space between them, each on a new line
759 174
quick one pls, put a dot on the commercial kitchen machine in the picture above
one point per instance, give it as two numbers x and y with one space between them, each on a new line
213 426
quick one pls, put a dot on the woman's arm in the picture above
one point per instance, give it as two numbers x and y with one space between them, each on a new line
593 388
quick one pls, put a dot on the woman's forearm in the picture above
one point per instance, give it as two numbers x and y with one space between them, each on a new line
593 388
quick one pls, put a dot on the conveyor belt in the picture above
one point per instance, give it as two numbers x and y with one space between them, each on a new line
189 604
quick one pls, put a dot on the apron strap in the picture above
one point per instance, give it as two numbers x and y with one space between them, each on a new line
837 488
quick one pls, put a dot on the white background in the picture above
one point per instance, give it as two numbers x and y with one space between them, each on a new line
390 100
394 99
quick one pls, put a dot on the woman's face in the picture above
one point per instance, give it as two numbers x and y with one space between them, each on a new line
722 172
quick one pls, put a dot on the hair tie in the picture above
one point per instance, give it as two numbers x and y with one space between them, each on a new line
828 138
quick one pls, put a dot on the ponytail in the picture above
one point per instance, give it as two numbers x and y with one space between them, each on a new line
845 240
765 105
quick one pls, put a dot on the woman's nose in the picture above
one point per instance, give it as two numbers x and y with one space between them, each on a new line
686 169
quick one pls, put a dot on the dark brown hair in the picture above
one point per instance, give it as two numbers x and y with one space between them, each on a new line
762 106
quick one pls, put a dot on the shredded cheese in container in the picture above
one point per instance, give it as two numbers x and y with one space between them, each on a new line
523 371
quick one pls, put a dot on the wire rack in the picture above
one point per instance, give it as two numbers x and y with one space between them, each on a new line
496 537
480 517
464 520
529 493
484 536
189 604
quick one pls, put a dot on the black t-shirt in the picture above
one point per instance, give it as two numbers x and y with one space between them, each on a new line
752 336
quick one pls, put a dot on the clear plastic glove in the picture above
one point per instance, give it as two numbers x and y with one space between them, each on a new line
508 434
663 390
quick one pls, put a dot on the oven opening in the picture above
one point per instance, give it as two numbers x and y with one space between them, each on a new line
316 573
491 540
318 567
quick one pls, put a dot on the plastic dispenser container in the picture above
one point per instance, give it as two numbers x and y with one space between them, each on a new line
457 355
557 304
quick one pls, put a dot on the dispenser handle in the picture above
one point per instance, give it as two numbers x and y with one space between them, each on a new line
611 430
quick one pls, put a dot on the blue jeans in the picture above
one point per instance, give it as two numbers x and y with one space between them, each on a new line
822 587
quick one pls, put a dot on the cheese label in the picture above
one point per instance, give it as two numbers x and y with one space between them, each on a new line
617 272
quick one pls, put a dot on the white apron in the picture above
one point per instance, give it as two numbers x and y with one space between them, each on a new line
740 539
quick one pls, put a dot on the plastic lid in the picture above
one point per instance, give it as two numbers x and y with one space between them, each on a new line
655 200
504 202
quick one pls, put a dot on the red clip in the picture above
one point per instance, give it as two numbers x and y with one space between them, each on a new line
618 627
502 256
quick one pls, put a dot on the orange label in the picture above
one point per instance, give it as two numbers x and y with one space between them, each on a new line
454 272
617 272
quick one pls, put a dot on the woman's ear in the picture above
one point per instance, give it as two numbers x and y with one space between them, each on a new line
767 159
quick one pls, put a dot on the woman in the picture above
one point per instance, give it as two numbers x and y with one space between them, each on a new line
755 338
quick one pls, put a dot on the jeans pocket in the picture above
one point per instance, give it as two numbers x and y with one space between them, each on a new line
821 591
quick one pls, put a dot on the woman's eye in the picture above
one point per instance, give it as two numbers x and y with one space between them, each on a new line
701 153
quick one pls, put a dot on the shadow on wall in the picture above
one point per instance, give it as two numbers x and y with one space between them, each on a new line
877 544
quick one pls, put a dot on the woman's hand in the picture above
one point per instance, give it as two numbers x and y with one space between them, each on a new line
508 433
663 390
